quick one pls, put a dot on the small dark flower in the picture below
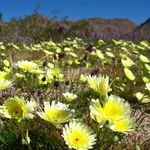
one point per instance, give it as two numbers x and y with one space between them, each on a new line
39 93
89 48
95 72
44 63
54 56
61 29
56 84
67 83
61 55
85 56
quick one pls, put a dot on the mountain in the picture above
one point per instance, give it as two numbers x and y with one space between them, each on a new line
36 28
143 31
116 27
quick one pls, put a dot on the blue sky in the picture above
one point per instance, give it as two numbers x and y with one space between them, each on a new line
136 10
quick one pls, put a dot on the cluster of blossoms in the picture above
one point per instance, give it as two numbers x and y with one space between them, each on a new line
111 109
4 76
18 108
106 110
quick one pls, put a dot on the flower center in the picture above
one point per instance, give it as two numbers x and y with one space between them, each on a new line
76 139
16 112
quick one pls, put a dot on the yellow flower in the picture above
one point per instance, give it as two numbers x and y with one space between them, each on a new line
6 69
78 136
123 125
73 54
129 74
100 42
70 62
19 75
146 79
127 63
3 74
27 66
76 62
17 108
6 63
144 58
147 67
96 111
58 50
123 56
113 109
4 84
67 49
142 98
148 86
37 71
69 96
99 84
111 55
144 44
56 113
99 54
83 78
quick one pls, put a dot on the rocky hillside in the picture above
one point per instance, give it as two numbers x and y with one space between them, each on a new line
143 31
36 28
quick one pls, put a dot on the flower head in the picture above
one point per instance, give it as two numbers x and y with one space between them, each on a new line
97 111
3 74
56 113
129 74
99 54
111 55
17 108
83 78
26 66
148 86
123 125
144 58
69 96
78 136
127 63
142 98
115 108
4 83
99 84
6 63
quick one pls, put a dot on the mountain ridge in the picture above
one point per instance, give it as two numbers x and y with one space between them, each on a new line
36 28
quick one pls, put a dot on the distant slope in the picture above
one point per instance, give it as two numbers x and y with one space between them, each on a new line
116 27
36 28
143 31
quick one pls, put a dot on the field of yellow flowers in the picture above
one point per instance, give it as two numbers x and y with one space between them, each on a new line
75 95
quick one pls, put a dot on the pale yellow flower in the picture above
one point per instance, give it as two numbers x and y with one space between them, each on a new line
142 98
129 74
123 125
99 54
4 84
78 136
17 108
99 84
69 96
56 113
144 58
26 66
